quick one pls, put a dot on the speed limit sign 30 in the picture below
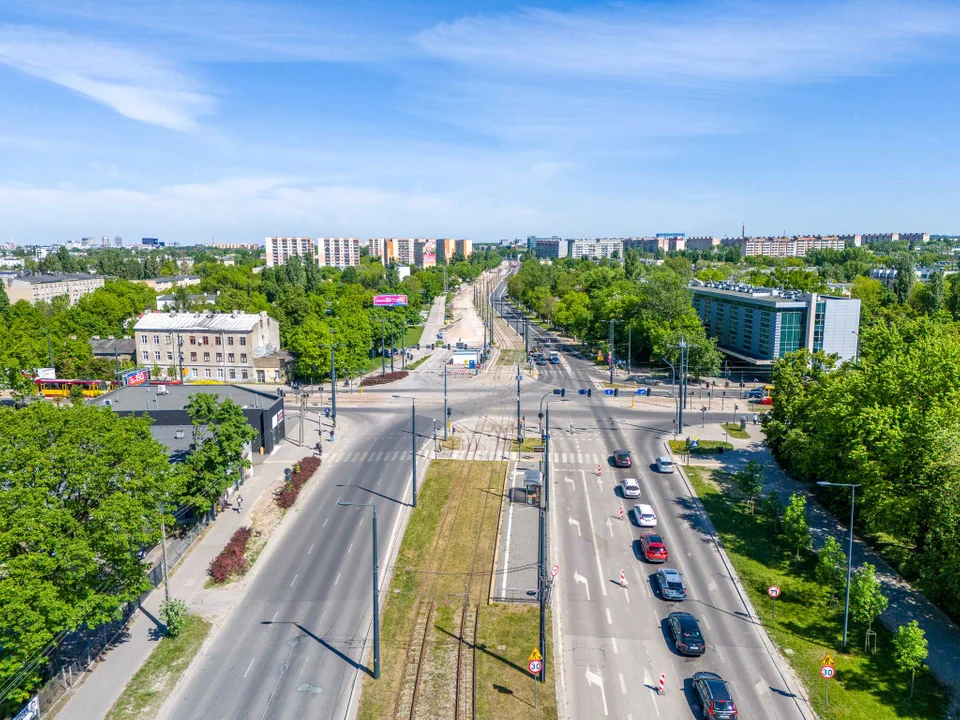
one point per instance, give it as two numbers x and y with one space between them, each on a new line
535 667
827 672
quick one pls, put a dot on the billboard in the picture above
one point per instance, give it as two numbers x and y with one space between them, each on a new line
46 373
389 300
671 235
135 377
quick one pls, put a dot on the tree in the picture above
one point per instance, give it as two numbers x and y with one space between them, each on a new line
867 600
910 649
905 277
749 479
156 372
796 531
217 455
82 493
174 614
870 294
831 570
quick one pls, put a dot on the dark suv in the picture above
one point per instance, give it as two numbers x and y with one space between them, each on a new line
622 459
714 697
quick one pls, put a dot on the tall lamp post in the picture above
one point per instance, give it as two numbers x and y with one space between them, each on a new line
446 414
413 439
853 499
376 589
612 323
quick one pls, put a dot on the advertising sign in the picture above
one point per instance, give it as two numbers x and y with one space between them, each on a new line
47 373
389 300
671 235
31 710
135 377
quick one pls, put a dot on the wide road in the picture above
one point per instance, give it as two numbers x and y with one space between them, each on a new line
615 642
292 646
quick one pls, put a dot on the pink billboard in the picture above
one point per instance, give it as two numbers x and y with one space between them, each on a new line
389 300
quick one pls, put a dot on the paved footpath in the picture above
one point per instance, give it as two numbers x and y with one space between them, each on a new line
905 602
102 686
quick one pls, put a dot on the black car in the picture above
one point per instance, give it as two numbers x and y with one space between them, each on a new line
686 633
622 459
714 697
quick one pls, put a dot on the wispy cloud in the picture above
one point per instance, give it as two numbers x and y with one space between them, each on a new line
696 42
136 84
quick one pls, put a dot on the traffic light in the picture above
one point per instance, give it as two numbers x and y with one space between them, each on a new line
449 411
589 392
563 392
556 391
616 392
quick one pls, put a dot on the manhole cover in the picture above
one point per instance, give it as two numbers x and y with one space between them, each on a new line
309 689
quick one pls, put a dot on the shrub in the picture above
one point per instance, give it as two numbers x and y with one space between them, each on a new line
286 496
174 614
232 560
384 379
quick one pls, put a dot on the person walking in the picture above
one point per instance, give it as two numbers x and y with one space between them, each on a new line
755 419
239 504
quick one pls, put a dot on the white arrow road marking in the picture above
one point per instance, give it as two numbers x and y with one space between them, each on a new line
712 587
594 679
610 525
600 482
593 535
577 523
581 579
647 681
569 480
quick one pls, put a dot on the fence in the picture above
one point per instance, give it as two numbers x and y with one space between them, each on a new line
80 650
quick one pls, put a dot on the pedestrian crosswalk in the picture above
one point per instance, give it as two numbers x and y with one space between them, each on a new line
579 458
368 456
375 456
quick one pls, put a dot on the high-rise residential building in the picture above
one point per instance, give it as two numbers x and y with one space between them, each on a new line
236 346
338 252
118 241
596 249
105 241
465 248
281 249
385 249
662 242
920 237
446 247
36 288
703 243
851 240
406 250
796 246
759 325
552 248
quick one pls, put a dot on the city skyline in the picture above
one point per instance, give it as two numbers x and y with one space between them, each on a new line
368 120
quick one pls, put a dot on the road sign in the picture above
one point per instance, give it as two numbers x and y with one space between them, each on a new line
641 391
773 591
554 571
535 667
608 391
827 672
535 655
581 392
827 660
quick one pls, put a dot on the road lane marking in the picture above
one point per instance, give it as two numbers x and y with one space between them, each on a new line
627 593
337 580
593 534
623 685
613 641
294 579
325 523
275 615
349 548
310 550
609 618
594 679
577 523
569 480
506 554
648 681
249 666
578 578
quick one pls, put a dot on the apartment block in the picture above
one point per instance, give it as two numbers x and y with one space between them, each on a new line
921 237
552 248
227 347
385 249
37 288
167 284
596 249
465 248
760 325
661 243
797 246
406 250
281 249
703 243
338 252
446 247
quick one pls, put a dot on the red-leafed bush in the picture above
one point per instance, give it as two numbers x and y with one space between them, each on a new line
232 560
383 379
287 495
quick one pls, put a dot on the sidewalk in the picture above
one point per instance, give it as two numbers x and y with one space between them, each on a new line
102 686
905 602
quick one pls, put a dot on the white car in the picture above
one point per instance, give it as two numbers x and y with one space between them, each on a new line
664 464
631 488
644 515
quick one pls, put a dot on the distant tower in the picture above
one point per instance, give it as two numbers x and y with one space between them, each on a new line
743 230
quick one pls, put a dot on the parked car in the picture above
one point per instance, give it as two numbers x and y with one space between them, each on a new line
664 464
671 584
630 487
622 459
686 633
714 697
541 360
644 515
653 548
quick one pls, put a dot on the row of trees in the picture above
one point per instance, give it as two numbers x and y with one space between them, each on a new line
653 304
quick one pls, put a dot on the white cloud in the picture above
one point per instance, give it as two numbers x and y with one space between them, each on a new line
697 42
136 84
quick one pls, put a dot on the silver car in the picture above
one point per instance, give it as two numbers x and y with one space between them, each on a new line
664 464
631 488
644 515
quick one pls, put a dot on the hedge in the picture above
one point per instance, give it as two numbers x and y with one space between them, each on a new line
287 495
232 560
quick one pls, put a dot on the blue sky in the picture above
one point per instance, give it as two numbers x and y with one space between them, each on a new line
192 120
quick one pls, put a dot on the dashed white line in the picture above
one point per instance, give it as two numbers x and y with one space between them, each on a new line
623 685
294 579
613 641
249 666
275 615
310 550
325 523
349 548
609 618
337 580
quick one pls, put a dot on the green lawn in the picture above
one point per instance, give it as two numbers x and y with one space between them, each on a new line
529 443
417 363
148 689
733 430
705 447
867 686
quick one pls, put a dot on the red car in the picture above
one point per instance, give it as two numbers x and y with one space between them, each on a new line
653 548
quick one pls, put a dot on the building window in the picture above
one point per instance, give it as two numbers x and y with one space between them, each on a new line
169 357
220 373
206 340
217 340
156 339
233 374
193 339
790 330
156 355
243 340
243 357
230 340
143 339
244 374
206 372
166 340
230 357
818 326
146 355
219 357
765 333
276 375
206 357
193 357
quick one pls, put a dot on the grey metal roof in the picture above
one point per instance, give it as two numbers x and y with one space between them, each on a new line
142 398
200 322
122 346
61 277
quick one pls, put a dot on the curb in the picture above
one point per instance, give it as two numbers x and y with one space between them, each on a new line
496 551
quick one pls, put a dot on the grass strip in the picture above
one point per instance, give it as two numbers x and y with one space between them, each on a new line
809 624
417 363
512 357
734 431
528 445
154 681
704 447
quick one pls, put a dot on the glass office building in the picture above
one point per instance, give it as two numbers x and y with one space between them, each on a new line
760 325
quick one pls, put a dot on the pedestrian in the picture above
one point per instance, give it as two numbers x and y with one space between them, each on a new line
239 504
755 419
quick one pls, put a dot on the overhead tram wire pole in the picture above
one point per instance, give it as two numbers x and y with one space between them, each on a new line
446 416
376 589
612 322
519 427
853 499
413 439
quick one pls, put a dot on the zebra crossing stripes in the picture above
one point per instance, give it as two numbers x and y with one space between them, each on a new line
367 456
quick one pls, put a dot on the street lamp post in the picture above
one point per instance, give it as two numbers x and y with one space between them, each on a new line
703 416
853 499
519 427
612 323
376 589
413 440
446 422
